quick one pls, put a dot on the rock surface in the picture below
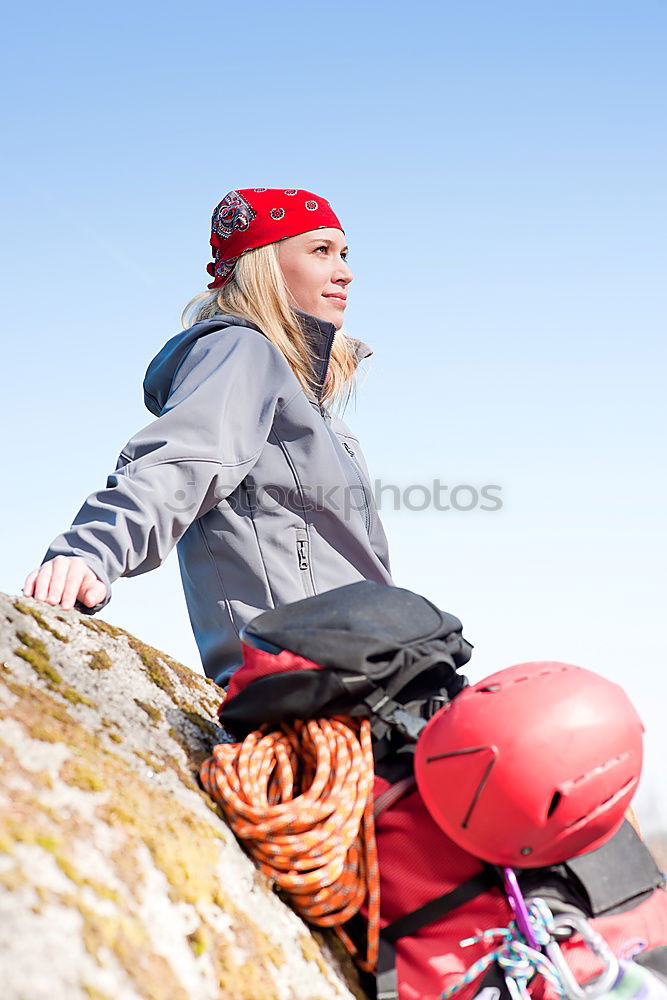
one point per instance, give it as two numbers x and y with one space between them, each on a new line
119 879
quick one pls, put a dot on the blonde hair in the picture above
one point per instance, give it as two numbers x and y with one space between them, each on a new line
257 292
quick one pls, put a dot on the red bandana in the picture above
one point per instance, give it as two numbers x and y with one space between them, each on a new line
254 217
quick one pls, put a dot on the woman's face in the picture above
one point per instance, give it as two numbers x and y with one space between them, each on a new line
315 272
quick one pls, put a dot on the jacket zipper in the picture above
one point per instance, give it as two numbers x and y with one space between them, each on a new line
367 512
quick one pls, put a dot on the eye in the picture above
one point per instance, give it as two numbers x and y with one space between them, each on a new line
324 247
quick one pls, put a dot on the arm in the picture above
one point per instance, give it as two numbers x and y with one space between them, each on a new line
208 436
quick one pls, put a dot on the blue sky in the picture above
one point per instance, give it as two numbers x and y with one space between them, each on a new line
499 169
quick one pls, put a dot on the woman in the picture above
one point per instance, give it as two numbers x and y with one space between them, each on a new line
246 468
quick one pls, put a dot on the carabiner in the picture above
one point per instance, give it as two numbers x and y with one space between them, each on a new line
597 944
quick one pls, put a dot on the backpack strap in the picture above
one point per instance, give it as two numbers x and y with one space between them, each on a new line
386 713
410 923
395 792
386 978
439 907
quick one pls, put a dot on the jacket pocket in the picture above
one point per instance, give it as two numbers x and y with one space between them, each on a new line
302 542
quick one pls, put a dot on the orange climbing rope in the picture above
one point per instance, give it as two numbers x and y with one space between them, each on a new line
300 799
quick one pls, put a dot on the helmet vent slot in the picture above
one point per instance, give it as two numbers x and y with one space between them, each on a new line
553 805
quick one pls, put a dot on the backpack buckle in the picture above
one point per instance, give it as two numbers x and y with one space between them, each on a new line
408 725
435 703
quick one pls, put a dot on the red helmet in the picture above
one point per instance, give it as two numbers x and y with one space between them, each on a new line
532 765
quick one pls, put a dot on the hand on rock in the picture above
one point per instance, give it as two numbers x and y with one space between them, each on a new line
64 580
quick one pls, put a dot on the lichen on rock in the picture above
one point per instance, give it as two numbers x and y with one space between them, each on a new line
119 879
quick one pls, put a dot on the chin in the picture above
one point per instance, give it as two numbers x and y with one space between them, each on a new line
332 314
326 312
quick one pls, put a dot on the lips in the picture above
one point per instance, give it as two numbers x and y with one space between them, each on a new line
338 298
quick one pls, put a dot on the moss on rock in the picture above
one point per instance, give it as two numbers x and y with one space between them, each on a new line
75 697
127 939
82 774
36 654
151 711
41 620
93 993
99 659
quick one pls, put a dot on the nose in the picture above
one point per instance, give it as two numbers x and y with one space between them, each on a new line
343 275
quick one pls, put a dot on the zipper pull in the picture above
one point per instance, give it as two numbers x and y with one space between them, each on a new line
302 553
348 449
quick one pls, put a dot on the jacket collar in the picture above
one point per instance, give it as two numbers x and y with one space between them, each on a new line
321 336
160 373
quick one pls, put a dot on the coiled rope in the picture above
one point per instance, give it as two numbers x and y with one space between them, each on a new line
300 799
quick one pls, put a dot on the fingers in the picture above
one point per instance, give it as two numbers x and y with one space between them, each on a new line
61 567
42 581
74 582
63 581
92 590
29 585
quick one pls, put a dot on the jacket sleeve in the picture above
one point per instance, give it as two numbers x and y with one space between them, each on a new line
208 436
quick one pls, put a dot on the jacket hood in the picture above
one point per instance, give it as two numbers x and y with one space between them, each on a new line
162 369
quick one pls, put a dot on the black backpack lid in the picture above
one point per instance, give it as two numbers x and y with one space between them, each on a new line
359 627
362 649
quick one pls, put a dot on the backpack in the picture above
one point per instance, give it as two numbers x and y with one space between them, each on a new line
388 654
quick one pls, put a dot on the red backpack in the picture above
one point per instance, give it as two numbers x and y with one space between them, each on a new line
385 653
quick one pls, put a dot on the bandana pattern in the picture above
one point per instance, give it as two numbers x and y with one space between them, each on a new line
249 218
233 214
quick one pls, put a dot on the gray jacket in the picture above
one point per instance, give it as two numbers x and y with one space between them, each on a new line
265 493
